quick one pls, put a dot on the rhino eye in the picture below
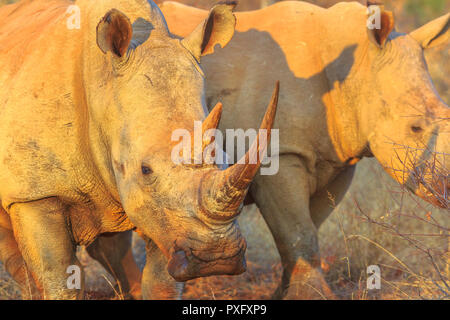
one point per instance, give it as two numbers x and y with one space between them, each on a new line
146 170
416 129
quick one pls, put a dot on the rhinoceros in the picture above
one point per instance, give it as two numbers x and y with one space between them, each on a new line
90 94
348 92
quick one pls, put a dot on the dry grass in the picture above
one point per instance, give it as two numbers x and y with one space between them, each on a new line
389 227
259 282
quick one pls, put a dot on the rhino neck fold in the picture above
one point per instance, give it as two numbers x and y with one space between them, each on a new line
346 126
345 63
96 75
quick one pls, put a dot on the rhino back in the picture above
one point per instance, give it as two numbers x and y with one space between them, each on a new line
43 133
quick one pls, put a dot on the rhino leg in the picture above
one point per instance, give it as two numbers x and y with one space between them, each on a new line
44 240
283 200
324 201
114 252
157 284
13 261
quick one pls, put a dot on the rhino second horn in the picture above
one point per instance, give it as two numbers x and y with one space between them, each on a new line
212 121
222 192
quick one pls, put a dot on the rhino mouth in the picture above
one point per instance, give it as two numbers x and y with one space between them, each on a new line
211 259
188 264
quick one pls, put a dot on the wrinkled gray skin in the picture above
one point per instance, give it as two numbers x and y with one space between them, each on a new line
85 144
346 93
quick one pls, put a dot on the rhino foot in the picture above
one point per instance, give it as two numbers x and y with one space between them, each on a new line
306 283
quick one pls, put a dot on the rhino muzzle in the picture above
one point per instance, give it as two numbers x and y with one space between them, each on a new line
187 263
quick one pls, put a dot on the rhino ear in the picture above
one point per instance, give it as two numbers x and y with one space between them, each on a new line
218 28
433 33
114 33
380 34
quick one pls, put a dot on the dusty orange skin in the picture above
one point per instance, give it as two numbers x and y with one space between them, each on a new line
346 93
85 143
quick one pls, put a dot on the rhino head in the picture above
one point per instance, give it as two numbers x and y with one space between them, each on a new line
157 84
393 111
410 136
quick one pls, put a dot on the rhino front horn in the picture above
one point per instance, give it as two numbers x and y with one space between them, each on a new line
222 192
